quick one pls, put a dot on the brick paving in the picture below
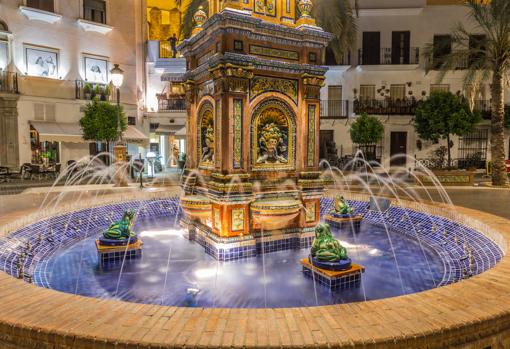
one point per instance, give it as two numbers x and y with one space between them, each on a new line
474 313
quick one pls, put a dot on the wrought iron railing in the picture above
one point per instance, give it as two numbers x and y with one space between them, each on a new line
388 56
166 51
441 164
9 82
334 109
172 104
386 106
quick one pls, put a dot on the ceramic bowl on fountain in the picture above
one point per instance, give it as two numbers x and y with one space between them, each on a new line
342 264
117 242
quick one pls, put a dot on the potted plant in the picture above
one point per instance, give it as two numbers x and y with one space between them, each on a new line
181 161
107 92
87 90
97 92
442 115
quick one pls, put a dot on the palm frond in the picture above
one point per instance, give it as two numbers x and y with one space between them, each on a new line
337 17
188 22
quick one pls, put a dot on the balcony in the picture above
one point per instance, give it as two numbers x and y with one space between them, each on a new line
8 82
171 104
387 56
334 109
88 90
386 106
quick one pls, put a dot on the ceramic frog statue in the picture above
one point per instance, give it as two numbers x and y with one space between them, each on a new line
341 205
121 229
325 247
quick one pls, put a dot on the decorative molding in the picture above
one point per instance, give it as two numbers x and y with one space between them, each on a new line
40 15
90 26
217 129
262 84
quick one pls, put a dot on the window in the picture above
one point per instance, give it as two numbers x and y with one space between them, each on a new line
472 150
45 5
477 45
371 51
312 57
131 120
238 45
94 11
400 47
367 92
439 88
398 92
442 46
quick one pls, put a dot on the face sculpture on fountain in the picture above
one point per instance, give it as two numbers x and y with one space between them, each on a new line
325 247
272 138
207 138
121 230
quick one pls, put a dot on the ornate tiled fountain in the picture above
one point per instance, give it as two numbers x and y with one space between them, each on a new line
253 90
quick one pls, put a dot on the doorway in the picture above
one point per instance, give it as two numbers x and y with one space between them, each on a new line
327 138
398 146
371 52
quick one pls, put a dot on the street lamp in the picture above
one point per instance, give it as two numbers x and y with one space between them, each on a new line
119 150
117 80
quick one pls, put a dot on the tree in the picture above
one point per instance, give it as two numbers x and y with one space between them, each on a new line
100 121
442 115
366 131
334 16
488 59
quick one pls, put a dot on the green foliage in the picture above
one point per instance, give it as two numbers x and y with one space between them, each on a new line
100 121
337 18
188 23
107 90
366 130
87 88
444 114
97 90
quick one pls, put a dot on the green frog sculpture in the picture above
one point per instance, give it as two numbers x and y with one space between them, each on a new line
341 213
327 252
342 206
119 232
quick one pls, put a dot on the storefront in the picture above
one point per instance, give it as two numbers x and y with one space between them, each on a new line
57 142
52 142
167 142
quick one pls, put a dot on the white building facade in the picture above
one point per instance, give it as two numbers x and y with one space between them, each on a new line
55 56
385 76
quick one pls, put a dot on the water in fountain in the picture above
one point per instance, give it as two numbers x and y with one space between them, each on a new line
175 271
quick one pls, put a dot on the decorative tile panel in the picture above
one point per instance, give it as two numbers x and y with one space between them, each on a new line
238 133
274 52
237 219
311 135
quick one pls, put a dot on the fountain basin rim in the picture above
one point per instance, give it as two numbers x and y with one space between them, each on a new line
71 314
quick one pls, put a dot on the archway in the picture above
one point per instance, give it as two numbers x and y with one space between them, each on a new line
273 132
206 135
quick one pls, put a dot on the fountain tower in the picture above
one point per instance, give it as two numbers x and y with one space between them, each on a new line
253 80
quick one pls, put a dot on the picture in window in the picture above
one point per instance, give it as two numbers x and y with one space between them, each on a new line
96 70
42 62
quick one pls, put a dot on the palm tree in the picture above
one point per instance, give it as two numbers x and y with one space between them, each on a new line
337 17
334 16
485 59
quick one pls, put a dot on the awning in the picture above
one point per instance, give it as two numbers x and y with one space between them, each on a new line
168 129
58 131
134 135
